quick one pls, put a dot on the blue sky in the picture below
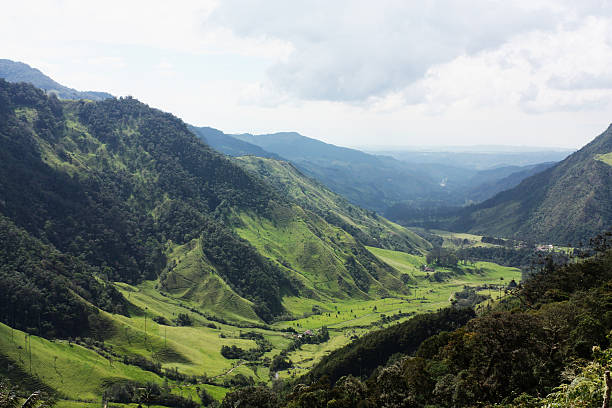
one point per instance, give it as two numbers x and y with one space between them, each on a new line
353 73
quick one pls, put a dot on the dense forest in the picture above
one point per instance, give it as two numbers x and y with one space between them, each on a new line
112 182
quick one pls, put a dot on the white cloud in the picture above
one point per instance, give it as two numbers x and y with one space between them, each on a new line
351 72
349 50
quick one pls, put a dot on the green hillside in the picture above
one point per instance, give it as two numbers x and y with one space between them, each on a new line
367 227
567 203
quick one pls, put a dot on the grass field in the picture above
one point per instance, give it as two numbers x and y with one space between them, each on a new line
77 373
606 158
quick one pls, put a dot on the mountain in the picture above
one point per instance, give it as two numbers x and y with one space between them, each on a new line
127 193
367 227
229 145
13 71
380 182
373 182
566 203
486 183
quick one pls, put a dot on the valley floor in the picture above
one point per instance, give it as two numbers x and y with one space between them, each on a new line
79 369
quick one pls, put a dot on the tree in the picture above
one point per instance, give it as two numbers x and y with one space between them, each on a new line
261 397
10 399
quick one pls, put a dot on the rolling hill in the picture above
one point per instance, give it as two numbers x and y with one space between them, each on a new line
566 203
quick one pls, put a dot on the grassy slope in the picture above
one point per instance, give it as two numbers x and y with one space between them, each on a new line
606 158
314 252
193 279
314 196
74 371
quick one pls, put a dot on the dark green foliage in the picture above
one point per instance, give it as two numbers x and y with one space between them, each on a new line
280 362
260 397
360 277
152 182
442 257
520 258
161 320
39 286
362 356
468 297
205 397
183 319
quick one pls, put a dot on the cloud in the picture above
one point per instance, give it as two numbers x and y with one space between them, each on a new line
349 50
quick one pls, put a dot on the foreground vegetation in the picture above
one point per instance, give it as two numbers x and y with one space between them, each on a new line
546 344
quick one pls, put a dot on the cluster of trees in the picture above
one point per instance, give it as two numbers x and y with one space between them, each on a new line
442 257
234 352
315 337
150 393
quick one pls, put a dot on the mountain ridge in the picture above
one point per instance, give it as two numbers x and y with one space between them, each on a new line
14 71
566 203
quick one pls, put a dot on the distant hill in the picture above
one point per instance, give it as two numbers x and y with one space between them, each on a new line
380 182
373 182
480 157
495 180
228 144
13 71
566 203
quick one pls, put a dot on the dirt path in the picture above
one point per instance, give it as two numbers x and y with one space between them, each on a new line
230 370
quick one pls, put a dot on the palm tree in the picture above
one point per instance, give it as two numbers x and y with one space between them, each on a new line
10 399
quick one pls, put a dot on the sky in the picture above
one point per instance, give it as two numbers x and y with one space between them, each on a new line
379 73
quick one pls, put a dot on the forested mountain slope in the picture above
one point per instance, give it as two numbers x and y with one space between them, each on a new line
567 203
369 181
131 193
228 144
13 71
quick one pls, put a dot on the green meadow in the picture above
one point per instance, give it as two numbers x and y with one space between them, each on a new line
78 373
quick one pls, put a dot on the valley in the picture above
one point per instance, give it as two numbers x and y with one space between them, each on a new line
140 266
78 369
